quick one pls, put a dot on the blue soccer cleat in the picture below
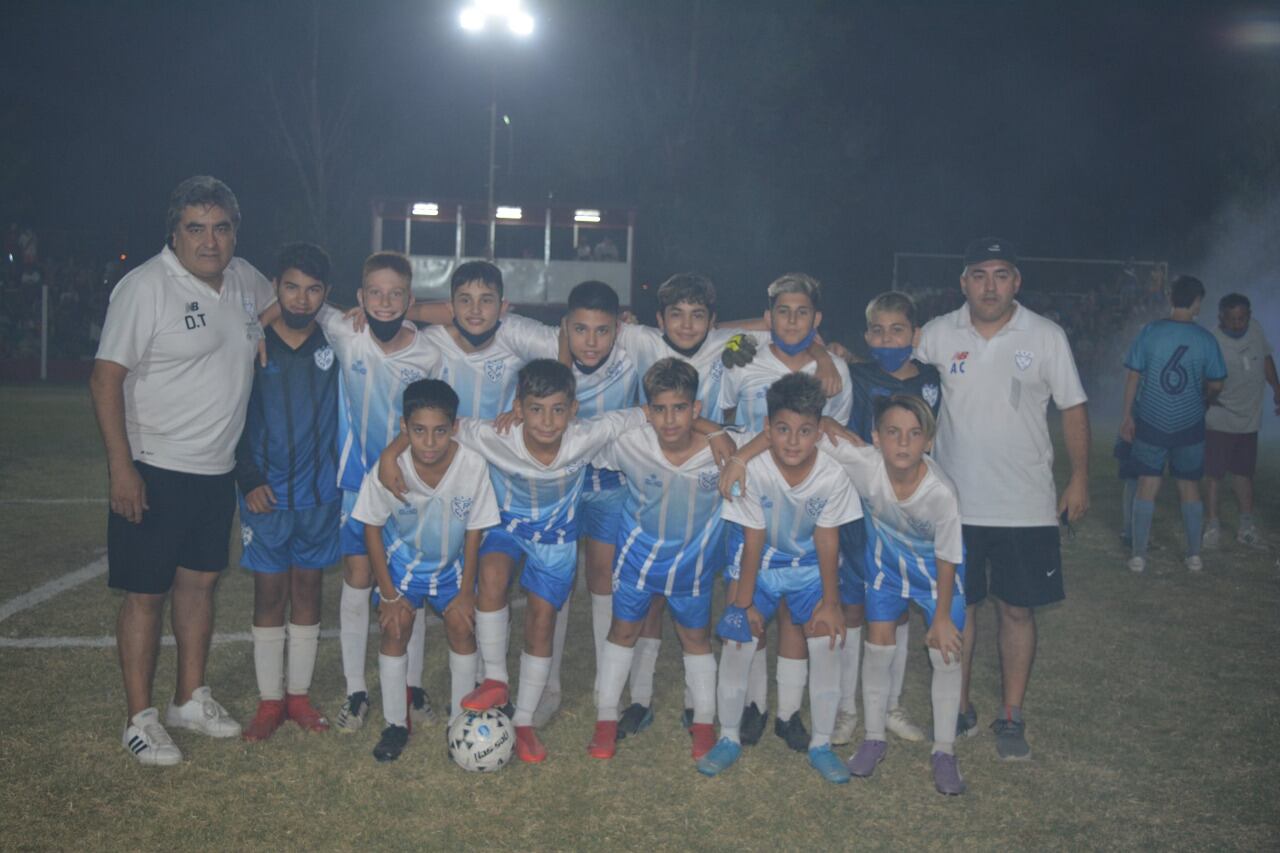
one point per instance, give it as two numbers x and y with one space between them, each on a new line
828 764
721 757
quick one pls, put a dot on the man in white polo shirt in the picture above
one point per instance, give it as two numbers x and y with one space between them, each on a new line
170 387
1000 365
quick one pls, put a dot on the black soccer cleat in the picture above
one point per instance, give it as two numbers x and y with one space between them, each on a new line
391 744
753 722
793 732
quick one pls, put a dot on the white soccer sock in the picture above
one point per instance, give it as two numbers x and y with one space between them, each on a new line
898 669
557 644
395 704
462 678
700 686
875 689
353 632
491 637
758 678
850 656
946 701
417 647
601 617
304 641
642 667
792 677
533 680
731 689
268 661
824 689
615 663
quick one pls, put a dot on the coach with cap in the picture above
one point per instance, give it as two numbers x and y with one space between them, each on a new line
1001 363
170 386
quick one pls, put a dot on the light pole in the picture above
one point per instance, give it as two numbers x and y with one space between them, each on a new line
480 16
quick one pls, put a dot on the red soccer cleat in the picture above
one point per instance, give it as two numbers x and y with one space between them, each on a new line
298 708
490 694
704 737
270 716
528 748
604 743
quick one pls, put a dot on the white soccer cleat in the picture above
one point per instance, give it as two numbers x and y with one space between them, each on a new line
1137 565
1250 537
846 723
202 714
148 742
1194 563
900 724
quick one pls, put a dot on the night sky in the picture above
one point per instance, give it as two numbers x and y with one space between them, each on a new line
753 138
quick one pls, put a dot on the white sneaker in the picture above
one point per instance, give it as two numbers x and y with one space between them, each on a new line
846 722
1212 536
548 705
1194 563
202 714
1137 565
1251 537
900 724
147 740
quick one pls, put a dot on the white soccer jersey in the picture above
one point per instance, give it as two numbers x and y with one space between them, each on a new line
916 531
426 532
788 514
744 388
189 350
672 531
993 434
371 394
485 380
646 345
539 502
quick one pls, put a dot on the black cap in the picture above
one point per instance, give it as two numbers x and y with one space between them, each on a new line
990 249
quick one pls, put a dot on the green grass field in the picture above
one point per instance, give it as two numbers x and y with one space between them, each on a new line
1152 715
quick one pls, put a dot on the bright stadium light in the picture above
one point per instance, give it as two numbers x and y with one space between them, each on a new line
509 213
426 208
583 215
477 17
472 19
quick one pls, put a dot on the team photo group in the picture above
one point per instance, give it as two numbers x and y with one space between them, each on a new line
461 461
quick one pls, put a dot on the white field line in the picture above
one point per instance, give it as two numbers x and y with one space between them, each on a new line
46 591
51 501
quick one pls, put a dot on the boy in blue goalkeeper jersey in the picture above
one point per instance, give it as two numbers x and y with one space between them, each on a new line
286 472
1175 370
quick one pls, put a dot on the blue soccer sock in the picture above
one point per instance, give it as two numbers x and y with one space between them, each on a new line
1143 512
1130 492
1193 523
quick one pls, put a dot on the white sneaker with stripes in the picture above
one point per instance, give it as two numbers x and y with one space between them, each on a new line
148 742
202 713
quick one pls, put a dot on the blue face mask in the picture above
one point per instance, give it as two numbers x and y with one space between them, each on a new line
796 348
1237 335
891 358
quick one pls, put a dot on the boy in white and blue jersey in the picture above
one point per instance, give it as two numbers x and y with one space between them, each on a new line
794 314
790 515
1175 370
914 552
424 549
378 363
670 544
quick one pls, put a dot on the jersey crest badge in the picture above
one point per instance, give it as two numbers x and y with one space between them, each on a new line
461 507
573 468
411 374
494 369
708 480
765 502
324 357
1023 358
815 506
717 370
653 480
357 366
930 393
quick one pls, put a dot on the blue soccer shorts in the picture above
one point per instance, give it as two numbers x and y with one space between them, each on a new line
853 557
1186 462
548 569
352 535
886 599
801 588
631 603
600 513
434 589
301 538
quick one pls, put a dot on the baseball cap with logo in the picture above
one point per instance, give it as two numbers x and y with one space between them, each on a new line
990 249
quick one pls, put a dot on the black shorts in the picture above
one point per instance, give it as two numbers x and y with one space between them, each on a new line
1025 562
188 524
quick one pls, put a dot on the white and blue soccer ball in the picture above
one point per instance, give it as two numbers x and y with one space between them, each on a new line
481 741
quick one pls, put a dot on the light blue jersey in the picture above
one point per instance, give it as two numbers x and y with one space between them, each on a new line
744 389
485 380
1174 359
647 345
612 386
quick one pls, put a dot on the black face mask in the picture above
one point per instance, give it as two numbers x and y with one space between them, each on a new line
477 340
296 321
384 330
687 353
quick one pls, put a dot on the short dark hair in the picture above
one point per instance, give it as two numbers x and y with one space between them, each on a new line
908 403
594 296
200 191
892 302
307 258
476 271
394 261
1232 301
430 394
798 392
543 377
671 374
687 287
1185 290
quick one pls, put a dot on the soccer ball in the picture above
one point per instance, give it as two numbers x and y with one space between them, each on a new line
481 741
